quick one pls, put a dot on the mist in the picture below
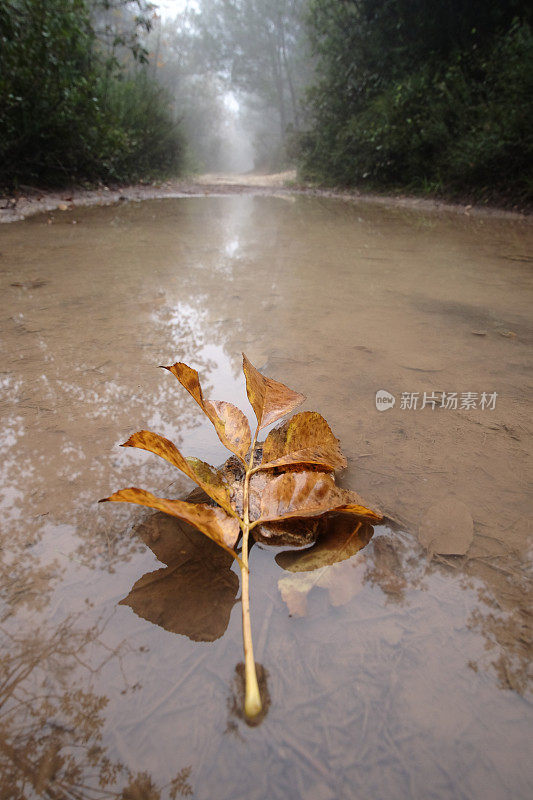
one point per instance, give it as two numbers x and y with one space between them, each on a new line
236 74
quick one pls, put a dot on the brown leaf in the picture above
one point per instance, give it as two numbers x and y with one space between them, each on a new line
214 522
270 399
339 537
297 532
293 530
321 565
206 476
195 593
305 439
230 423
304 494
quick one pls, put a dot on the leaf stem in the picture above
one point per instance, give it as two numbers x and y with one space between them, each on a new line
252 700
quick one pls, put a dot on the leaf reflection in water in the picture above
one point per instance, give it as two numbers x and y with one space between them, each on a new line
195 593
333 563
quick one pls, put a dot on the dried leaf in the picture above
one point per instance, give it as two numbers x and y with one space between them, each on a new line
447 528
340 537
304 494
295 532
269 399
304 440
230 423
206 476
195 593
290 531
297 505
214 522
321 565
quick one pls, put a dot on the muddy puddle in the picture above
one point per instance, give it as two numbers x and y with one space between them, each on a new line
400 672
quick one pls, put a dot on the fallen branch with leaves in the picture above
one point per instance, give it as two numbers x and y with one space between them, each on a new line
287 480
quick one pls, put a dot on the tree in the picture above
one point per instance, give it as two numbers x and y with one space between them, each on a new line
259 48
69 108
417 94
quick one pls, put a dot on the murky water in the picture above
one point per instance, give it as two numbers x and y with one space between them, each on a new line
396 676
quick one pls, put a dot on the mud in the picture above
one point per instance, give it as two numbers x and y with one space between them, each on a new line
30 200
403 672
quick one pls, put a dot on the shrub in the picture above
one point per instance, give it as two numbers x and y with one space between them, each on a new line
65 113
447 111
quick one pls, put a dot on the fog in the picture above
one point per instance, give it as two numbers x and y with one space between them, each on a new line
235 73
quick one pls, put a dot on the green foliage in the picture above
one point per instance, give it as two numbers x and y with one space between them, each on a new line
69 113
430 98
143 140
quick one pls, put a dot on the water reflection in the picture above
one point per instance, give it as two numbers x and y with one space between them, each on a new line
236 699
334 563
65 423
398 565
403 678
52 719
195 593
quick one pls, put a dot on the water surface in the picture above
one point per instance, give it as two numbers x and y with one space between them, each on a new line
396 675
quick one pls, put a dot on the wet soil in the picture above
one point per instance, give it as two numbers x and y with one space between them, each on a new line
31 200
399 672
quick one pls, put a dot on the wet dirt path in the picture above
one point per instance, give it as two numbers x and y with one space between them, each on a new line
392 675
30 200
